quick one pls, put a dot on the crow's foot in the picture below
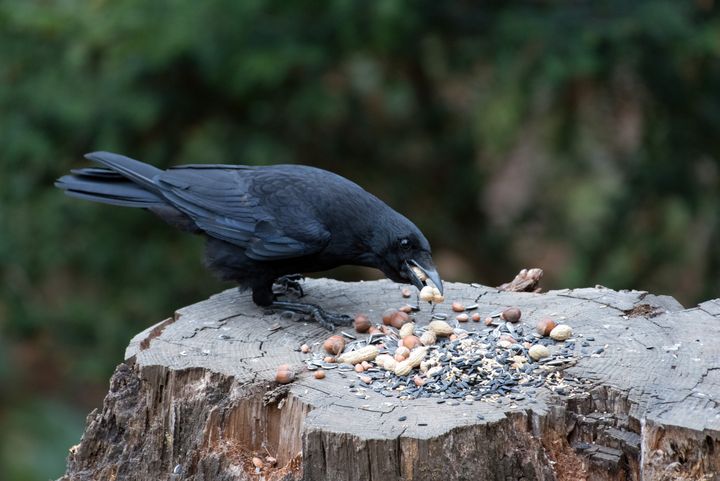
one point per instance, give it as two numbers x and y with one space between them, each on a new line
289 284
328 320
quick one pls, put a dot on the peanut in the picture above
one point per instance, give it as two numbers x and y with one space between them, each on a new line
367 353
416 356
440 328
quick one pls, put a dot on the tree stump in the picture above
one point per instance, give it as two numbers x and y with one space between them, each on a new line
195 399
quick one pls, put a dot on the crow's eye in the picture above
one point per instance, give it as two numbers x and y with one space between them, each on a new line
405 244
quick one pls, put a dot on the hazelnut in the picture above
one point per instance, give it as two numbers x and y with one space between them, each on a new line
362 323
305 348
457 307
284 376
463 317
475 317
511 314
388 315
334 344
319 374
411 342
545 326
398 319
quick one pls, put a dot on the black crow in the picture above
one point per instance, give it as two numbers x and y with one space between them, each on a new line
265 224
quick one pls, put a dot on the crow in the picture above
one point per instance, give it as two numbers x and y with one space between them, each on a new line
265 224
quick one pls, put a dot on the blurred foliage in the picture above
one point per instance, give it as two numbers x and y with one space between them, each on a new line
580 137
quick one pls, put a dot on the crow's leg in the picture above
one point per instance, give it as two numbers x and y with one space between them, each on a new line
263 296
289 284
328 320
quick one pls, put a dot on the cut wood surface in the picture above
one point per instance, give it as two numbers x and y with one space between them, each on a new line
196 398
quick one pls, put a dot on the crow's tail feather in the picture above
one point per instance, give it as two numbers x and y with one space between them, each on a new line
139 172
109 187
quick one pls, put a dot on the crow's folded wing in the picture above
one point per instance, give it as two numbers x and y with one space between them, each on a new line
259 211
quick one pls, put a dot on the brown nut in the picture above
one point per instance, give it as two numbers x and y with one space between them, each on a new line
284 376
388 315
305 348
462 317
329 359
488 321
476 317
334 345
362 323
545 326
319 374
399 319
457 307
359 368
511 314
411 342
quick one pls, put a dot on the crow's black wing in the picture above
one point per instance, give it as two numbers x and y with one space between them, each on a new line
260 210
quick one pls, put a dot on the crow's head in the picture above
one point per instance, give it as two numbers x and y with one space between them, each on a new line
404 254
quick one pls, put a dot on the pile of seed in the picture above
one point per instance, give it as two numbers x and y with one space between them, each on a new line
453 364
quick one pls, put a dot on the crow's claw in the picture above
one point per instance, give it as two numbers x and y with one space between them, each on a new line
289 284
328 320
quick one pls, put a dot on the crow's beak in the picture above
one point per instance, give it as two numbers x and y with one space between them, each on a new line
429 271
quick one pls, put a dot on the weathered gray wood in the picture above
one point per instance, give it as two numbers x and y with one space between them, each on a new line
196 399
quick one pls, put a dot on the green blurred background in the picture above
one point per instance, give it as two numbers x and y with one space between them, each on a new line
580 137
